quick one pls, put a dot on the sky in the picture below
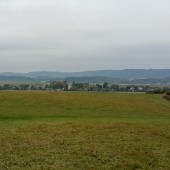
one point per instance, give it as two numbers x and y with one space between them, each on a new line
80 35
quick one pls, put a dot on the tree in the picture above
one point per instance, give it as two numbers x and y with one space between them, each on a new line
114 87
105 85
24 86
59 85
77 86
99 86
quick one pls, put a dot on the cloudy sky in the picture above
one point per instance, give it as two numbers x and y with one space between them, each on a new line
78 35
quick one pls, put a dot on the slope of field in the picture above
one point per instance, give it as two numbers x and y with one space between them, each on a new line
51 130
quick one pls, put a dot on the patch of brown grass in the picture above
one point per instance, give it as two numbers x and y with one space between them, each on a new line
86 145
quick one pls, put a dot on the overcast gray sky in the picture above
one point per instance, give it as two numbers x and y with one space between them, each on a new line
78 35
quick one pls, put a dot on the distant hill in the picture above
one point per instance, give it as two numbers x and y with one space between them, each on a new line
133 76
15 78
125 74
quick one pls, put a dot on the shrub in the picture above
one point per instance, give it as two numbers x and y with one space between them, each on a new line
167 95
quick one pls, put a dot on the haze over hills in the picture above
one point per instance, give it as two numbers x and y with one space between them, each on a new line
143 76
125 74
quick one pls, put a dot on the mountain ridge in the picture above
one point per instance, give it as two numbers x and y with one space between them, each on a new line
125 74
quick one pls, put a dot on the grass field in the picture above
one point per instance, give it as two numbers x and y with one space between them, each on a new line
60 130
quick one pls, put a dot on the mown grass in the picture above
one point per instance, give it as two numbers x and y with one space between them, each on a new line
50 130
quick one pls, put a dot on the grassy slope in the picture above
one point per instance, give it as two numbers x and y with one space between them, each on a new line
41 130
35 105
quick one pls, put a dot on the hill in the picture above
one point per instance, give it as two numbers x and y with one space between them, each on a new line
125 74
129 76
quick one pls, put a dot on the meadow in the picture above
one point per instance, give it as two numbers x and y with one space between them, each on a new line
83 130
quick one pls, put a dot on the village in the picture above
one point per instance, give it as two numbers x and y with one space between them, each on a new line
94 87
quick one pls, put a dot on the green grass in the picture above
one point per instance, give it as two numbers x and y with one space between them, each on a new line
51 130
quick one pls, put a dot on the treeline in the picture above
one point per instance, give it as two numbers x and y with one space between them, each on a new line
98 87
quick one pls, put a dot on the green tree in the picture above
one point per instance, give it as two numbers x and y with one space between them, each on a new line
105 85
59 85
114 87
24 86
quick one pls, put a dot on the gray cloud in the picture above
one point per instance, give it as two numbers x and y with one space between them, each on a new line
84 35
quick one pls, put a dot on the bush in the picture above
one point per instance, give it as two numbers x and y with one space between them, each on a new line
167 95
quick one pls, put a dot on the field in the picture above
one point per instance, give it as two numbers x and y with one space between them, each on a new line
60 130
